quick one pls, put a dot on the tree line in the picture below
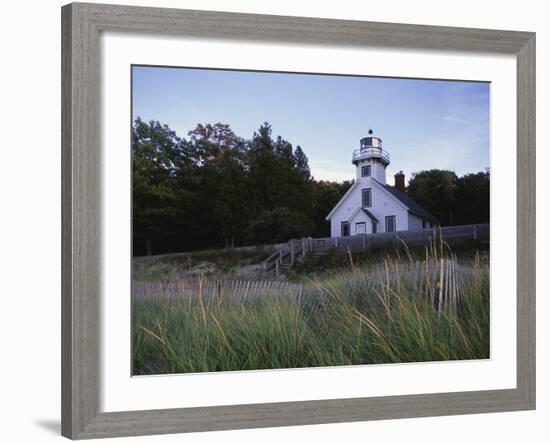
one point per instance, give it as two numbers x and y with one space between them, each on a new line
451 199
215 189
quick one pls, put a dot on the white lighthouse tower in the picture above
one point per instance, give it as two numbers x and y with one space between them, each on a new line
370 159
370 205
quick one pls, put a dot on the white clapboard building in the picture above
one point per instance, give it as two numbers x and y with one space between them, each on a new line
372 206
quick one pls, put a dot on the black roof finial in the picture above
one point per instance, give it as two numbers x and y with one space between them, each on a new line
370 131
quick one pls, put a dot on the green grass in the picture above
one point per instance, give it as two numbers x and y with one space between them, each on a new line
172 267
342 320
336 259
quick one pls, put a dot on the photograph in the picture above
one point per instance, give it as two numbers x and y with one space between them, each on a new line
285 220
275 221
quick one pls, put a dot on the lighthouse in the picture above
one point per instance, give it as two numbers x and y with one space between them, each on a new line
370 159
372 206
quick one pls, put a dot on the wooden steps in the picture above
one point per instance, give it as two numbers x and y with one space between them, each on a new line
295 250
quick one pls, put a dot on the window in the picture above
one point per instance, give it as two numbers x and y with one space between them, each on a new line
365 171
345 229
367 198
390 223
423 224
360 228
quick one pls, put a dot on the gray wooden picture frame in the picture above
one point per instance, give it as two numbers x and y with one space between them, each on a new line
81 166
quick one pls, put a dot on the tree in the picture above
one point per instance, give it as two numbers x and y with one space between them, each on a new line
160 146
157 154
325 196
262 170
209 141
472 198
219 156
301 163
434 190
282 151
275 181
217 189
278 225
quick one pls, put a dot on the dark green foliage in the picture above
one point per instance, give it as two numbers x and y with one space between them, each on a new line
301 163
326 195
452 200
221 182
218 190
278 225
274 178
158 155
472 194
434 190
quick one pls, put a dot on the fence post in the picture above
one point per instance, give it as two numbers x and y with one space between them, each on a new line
475 232
303 247
292 251
440 304
335 242
364 242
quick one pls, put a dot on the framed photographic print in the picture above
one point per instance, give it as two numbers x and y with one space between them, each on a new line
273 221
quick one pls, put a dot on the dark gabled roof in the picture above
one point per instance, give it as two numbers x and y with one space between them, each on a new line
369 215
414 207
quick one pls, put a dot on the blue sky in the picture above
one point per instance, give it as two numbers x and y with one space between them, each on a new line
423 124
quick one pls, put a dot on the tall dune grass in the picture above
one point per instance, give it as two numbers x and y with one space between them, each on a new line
389 314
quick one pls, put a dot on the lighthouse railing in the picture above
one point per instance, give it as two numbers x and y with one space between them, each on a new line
359 154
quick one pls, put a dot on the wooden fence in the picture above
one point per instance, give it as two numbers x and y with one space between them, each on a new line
424 236
288 254
442 280
234 291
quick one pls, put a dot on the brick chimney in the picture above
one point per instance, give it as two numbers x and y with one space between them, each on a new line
400 181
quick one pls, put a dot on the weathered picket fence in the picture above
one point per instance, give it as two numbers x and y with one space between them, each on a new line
440 280
215 290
